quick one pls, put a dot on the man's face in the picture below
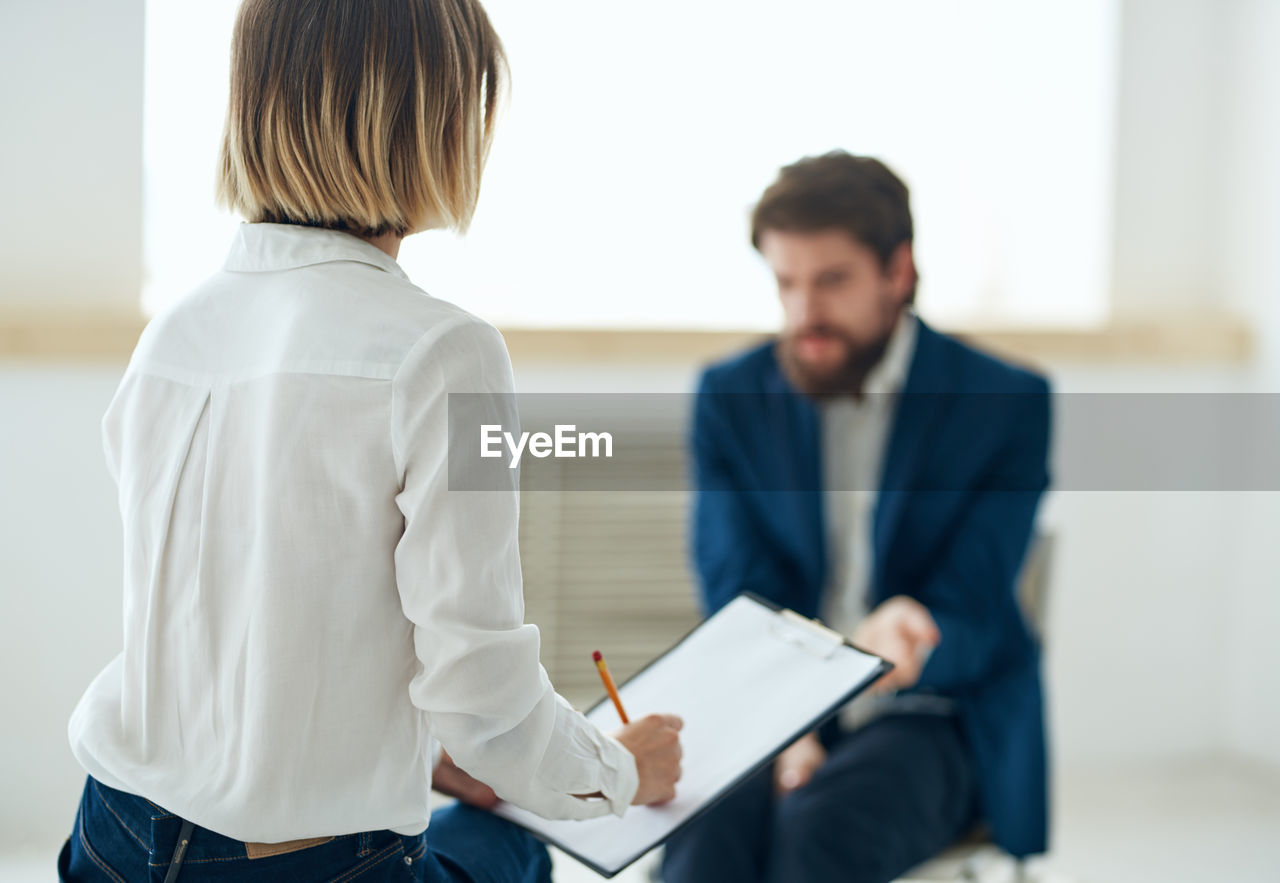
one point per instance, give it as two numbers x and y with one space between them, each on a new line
839 303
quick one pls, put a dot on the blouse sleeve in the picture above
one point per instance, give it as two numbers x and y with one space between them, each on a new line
487 698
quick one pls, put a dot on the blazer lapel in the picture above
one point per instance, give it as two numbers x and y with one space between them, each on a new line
799 460
925 397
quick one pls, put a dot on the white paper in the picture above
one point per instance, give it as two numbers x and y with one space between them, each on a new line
745 682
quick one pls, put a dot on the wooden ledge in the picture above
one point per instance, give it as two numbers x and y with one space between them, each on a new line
1217 339
109 336
67 335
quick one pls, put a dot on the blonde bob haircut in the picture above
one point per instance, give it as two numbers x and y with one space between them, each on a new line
370 116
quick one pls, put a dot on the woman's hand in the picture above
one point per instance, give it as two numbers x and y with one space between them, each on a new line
453 780
796 765
655 742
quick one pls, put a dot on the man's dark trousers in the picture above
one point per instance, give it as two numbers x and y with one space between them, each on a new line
889 796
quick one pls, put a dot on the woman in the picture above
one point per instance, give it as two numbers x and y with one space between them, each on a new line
310 611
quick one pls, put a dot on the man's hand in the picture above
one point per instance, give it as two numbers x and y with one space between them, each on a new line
655 742
451 779
902 631
796 765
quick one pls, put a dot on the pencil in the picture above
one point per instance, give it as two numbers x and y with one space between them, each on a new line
609 685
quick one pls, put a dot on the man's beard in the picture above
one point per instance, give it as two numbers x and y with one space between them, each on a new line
846 378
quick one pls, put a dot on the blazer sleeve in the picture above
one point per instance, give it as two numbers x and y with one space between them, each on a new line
972 593
730 551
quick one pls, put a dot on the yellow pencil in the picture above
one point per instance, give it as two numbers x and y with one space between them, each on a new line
609 685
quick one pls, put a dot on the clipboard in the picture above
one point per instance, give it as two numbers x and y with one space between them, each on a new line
748 681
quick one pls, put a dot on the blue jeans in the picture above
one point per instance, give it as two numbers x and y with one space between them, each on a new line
125 839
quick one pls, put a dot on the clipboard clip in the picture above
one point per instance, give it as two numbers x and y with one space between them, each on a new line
809 635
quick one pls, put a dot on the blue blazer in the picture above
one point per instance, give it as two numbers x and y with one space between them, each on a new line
964 469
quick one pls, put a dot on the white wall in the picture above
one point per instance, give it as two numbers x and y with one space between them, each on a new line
1168 137
70 236
1197 219
71 151
60 570
1251 270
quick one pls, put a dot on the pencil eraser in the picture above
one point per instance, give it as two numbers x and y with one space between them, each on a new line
596 656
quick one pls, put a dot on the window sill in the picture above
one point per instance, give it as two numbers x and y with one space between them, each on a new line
1214 338
1217 339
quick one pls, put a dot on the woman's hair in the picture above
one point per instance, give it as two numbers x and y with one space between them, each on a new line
370 116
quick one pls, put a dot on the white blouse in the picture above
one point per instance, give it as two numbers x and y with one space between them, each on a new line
308 608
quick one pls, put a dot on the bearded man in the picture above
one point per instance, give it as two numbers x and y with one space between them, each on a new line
868 470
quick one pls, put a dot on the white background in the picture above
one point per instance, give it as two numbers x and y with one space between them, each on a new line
1164 610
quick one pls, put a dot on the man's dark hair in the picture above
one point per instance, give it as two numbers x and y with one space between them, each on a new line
857 194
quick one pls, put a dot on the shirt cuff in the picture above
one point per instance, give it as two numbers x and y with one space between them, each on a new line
608 766
621 766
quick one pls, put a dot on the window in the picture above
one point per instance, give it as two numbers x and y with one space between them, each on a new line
637 138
